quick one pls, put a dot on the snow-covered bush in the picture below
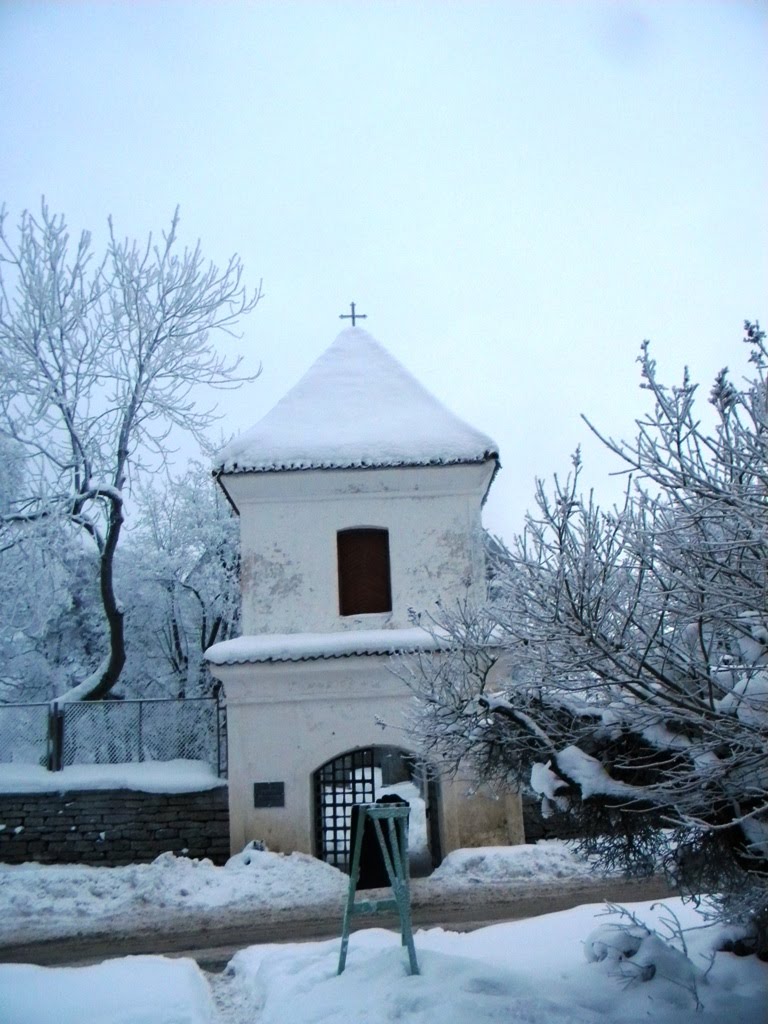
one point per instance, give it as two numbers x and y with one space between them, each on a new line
614 942
620 667
633 953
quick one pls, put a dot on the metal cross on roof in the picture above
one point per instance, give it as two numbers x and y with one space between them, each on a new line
353 315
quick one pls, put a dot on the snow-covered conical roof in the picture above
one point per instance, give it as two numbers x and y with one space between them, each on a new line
356 406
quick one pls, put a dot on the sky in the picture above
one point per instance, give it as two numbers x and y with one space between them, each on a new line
515 193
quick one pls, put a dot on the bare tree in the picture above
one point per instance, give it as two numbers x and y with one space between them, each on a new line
620 666
49 620
185 554
99 361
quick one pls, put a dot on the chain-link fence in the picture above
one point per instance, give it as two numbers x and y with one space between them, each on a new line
114 732
24 733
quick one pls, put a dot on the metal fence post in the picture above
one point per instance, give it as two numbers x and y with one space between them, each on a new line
217 695
141 738
55 737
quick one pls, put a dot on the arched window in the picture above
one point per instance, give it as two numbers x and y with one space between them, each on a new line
364 578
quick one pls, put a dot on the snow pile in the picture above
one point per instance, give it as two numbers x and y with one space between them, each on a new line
493 865
534 971
355 406
46 902
179 776
133 990
377 988
39 902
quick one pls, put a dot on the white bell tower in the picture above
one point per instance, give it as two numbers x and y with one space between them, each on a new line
360 501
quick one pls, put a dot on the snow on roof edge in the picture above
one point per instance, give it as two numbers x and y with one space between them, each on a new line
287 647
223 469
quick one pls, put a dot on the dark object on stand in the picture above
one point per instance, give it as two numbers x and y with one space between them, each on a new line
373 870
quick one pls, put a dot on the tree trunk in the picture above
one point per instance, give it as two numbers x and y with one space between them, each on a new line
113 610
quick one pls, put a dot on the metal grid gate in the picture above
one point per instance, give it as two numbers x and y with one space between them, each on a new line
340 783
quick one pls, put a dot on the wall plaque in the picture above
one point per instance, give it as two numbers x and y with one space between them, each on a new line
269 794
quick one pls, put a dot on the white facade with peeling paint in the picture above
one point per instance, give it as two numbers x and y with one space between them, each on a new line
289 523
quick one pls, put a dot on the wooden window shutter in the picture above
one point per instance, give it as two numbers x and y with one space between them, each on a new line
364 576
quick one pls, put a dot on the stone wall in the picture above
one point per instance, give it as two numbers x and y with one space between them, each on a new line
112 827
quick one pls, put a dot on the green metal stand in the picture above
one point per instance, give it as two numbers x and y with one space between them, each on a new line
396 818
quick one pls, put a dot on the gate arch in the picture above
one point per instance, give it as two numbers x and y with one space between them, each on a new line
363 775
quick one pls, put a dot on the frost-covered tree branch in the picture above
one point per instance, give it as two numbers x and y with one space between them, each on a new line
185 553
99 361
630 646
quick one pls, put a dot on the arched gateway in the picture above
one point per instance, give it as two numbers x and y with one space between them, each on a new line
360 500
362 776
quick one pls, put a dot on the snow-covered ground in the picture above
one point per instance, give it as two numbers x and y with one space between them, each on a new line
541 971
42 902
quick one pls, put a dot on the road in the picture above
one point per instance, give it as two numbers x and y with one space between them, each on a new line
213 943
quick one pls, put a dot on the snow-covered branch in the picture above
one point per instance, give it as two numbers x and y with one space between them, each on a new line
630 645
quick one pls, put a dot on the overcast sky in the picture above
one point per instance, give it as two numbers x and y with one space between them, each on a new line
515 193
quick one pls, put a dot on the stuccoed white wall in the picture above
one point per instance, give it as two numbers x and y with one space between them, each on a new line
287 719
288 527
